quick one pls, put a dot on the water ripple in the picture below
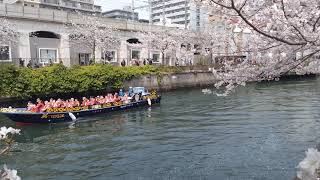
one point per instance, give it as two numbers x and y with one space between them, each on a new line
261 132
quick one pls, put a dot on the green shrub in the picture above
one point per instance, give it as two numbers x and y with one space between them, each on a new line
57 79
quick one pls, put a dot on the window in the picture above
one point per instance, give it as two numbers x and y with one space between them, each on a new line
155 57
84 59
5 53
110 56
135 54
47 55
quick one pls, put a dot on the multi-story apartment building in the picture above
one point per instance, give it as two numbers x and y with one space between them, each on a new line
184 12
83 6
125 14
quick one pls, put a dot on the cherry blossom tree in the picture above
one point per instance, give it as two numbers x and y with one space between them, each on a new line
284 38
167 41
8 33
92 33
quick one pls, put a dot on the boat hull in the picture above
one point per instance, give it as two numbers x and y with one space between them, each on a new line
59 117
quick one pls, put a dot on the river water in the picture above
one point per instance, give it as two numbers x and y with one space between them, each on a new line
260 132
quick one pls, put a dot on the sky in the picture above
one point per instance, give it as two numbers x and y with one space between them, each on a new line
119 4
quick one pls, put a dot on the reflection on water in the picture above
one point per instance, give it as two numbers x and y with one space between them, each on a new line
261 132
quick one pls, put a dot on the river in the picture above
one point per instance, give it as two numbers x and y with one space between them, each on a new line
259 132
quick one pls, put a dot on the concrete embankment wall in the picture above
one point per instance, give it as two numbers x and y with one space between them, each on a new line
173 81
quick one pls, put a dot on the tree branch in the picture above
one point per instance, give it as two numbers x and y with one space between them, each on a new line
222 5
5 150
260 31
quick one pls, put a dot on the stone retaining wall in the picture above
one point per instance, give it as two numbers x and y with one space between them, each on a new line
173 81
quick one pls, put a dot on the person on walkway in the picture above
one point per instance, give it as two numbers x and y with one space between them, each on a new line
21 62
123 63
29 65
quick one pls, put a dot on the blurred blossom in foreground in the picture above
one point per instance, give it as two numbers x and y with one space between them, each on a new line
309 167
4 132
8 174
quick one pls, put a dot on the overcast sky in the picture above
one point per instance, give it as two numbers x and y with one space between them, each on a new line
119 4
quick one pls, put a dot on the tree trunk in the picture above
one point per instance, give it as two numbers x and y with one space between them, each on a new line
163 62
94 51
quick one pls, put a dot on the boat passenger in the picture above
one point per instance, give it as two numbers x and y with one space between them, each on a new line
121 93
101 100
85 102
92 101
31 107
62 104
116 97
76 103
52 102
125 98
46 106
110 98
40 105
68 104
71 101
57 103
131 91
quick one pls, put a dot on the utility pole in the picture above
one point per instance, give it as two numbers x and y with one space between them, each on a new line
132 6
163 13
150 23
186 14
150 12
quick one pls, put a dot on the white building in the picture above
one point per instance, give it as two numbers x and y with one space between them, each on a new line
168 23
183 12
83 6
124 14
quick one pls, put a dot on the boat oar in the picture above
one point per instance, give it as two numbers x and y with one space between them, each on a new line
149 101
72 116
74 119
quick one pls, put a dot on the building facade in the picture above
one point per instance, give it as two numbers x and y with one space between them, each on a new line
44 39
182 12
124 14
83 6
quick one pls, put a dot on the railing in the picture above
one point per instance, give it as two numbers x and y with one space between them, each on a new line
42 62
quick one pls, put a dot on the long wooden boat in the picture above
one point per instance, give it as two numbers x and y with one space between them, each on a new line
21 115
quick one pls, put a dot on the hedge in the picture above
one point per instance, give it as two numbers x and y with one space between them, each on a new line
58 79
